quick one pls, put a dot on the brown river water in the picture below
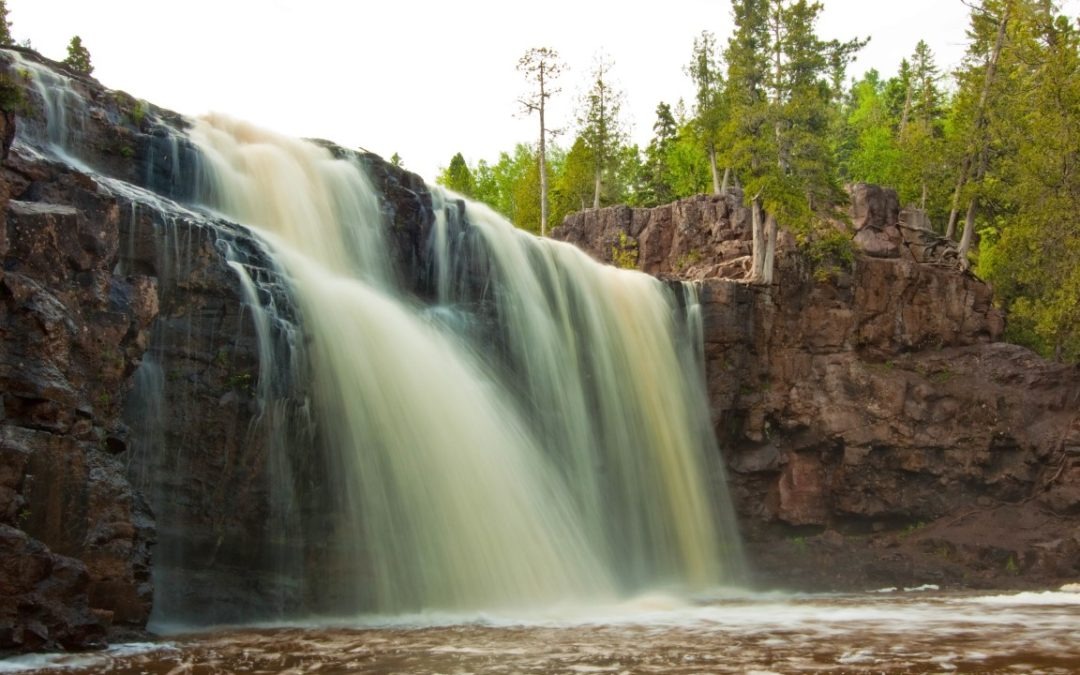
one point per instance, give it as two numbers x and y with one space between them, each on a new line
917 631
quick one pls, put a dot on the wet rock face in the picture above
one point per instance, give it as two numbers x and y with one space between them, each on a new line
76 538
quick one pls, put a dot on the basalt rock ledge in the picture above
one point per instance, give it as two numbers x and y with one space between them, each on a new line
877 431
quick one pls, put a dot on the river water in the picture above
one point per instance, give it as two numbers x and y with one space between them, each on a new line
917 631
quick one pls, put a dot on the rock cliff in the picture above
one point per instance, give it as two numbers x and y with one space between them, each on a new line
876 429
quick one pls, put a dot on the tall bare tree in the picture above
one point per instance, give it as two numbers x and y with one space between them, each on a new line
541 66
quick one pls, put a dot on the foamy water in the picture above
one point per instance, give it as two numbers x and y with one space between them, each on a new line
901 632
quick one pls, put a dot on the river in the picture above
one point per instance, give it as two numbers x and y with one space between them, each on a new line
917 631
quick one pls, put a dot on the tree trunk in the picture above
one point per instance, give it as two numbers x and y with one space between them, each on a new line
980 140
715 171
969 233
543 162
954 212
922 200
596 192
757 260
769 262
906 112
727 178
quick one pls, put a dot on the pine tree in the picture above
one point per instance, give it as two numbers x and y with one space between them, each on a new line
656 179
1031 237
6 40
990 28
781 78
78 58
458 177
709 111
601 125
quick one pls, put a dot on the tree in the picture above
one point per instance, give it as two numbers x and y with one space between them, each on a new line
600 125
780 87
873 156
5 26
982 64
458 177
575 183
78 58
655 175
1030 243
709 110
541 65
396 160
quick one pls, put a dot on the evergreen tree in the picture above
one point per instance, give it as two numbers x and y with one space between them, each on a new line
655 175
780 87
709 110
1031 236
458 177
981 90
6 40
78 58
601 125
575 184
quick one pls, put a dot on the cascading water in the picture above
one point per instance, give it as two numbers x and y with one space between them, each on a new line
532 431
562 454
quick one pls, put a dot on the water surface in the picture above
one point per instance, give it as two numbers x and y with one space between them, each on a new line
887 632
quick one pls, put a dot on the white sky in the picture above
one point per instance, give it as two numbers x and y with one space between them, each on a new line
424 78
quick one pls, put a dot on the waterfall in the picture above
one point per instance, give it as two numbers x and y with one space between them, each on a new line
530 430
537 435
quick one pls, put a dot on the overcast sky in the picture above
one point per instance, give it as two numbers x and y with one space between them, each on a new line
428 79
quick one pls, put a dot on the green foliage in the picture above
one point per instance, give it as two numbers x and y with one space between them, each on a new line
1011 567
458 177
655 177
828 251
397 161
600 126
688 259
573 185
6 40
78 57
12 98
138 113
1030 249
710 109
624 253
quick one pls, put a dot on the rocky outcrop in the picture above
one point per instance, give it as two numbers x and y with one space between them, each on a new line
876 430
76 538
173 421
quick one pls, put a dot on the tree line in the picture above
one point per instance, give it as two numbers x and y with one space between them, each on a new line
991 151
78 56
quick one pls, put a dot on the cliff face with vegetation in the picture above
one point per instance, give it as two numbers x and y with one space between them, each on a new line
877 431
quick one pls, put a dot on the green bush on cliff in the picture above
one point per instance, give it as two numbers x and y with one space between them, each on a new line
624 254
12 99
829 253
